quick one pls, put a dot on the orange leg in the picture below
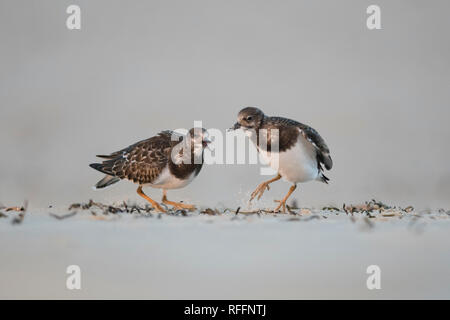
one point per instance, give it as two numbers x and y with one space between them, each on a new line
177 205
262 187
283 202
152 202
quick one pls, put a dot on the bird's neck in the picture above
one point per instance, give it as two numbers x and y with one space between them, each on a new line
189 159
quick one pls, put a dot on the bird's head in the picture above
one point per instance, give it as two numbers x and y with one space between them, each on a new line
199 137
249 118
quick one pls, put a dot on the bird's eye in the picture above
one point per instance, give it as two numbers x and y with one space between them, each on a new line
249 118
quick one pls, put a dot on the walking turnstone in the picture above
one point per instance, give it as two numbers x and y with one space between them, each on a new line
301 150
166 161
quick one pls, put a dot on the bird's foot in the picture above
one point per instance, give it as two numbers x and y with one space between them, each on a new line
184 206
154 204
158 207
180 205
281 205
259 191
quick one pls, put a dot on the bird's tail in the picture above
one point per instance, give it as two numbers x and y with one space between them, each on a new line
323 178
106 181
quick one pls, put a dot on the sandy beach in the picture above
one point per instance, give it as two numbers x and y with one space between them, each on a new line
313 253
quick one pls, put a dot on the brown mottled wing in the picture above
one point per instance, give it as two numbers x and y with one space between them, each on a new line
310 134
143 161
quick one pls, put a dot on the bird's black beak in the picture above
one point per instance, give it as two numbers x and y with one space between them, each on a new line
235 127
206 141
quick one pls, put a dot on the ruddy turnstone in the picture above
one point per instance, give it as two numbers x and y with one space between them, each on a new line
166 161
301 150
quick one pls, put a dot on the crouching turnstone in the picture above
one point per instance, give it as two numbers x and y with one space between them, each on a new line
166 161
301 150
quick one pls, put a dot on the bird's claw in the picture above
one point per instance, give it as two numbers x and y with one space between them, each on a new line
282 204
188 207
259 191
159 208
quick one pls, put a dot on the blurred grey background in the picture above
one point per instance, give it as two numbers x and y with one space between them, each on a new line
379 98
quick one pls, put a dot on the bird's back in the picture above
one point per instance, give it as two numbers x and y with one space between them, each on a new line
141 162
290 129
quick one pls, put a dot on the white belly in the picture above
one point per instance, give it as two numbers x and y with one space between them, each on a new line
167 181
298 164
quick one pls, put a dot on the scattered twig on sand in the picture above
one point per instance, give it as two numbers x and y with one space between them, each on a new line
368 210
345 209
107 209
409 209
181 212
86 206
372 206
388 214
378 204
258 212
331 208
368 215
210 211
